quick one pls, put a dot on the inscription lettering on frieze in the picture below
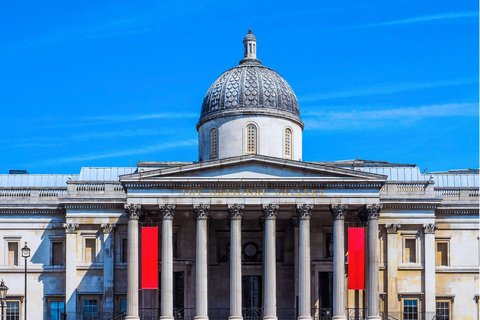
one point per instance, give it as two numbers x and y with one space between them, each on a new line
252 192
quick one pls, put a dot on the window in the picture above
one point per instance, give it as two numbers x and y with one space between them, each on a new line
90 310
13 310
57 254
57 308
251 139
124 249
288 143
441 258
213 143
90 250
123 305
13 253
410 309
410 251
443 310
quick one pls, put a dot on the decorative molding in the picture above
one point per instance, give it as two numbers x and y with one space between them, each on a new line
409 206
95 206
202 211
418 295
235 211
108 227
134 211
270 211
304 211
430 227
392 228
338 211
71 228
476 298
450 297
456 212
373 211
167 211
32 211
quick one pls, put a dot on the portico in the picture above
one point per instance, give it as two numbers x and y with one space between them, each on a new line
256 206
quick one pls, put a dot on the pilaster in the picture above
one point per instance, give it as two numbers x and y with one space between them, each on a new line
392 268
71 269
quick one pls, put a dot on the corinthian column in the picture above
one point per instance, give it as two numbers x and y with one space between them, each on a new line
133 213
304 212
429 231
373 311
166 307
338 213
202 213
71 269
235 216
270 275
108 268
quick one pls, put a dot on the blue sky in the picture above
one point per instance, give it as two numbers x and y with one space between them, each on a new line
101 83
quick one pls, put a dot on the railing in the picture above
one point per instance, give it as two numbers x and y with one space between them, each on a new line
17 193
52 193
224 313
91 187
473 193
118 188
356 313
410 187
447 193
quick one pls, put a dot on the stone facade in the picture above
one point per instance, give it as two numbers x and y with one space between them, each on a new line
244 235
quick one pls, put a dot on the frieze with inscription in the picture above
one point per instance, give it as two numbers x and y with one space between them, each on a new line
252 192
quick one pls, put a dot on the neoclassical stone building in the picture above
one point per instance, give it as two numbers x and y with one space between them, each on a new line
249 231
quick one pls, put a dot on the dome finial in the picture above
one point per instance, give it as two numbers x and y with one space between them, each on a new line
249 48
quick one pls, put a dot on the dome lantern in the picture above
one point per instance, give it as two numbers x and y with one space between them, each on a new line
250 49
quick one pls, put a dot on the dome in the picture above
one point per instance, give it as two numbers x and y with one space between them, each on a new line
250 89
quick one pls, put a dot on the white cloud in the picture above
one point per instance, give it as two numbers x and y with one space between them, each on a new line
114 154
426 18
354 120
383 89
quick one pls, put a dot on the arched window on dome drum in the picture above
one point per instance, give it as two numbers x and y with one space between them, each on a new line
213 143
251 139
288 143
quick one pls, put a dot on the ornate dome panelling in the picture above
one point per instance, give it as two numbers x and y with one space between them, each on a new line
250 89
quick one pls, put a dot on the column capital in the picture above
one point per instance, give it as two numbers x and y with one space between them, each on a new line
304 211
202 211
338 211
430 227
235 211
392 228
134 211
270 211
167 211
373 211
108 227
71 227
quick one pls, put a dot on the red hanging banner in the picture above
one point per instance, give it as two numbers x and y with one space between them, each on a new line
356 258
149 257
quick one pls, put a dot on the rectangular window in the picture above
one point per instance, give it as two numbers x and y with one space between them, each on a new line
90 310
124 249
57 309
443 310
57 254
90 250
410 251
410 309
13 253
13 310
442 254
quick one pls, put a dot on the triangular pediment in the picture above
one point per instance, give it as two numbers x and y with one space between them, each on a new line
253 167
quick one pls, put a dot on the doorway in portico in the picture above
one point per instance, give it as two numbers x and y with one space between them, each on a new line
252 292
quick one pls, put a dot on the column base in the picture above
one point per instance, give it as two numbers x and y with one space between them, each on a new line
200 318
373 318
270 318
166 318
132 318
304 318
235 318
339 318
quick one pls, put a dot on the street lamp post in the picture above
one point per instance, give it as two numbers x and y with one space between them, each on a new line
25 254
3 295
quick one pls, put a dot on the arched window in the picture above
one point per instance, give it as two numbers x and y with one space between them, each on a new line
251 139
288 143
213 143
